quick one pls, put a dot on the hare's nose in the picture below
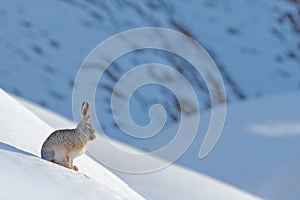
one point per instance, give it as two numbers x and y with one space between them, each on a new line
93 136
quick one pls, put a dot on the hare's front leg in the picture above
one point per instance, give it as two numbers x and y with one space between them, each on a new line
73 166
66 163
70 164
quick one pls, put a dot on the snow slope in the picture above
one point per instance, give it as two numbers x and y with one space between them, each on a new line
173 182
24 175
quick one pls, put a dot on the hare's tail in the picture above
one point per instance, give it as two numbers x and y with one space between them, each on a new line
47 154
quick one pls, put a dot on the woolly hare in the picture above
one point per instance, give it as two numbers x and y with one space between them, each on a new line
62 146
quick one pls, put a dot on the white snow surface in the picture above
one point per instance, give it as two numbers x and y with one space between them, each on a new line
25 176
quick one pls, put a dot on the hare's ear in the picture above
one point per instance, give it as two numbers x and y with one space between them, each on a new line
85 111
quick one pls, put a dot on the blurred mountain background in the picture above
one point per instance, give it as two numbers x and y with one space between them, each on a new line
255 44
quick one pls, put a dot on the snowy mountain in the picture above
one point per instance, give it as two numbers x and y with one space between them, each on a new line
255 45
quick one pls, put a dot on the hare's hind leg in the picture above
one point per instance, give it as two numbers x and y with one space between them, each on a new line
63 163
47 154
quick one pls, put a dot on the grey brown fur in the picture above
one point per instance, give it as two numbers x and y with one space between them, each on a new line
63 146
